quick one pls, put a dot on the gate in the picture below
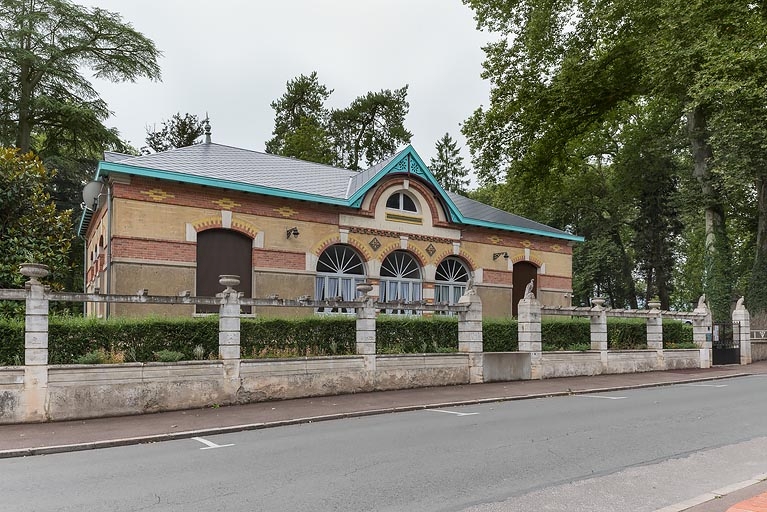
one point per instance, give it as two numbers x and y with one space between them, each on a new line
725 343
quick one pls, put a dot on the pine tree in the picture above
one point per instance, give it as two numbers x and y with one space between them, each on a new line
448 167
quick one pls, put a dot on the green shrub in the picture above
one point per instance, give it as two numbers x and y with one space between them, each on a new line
168 356
93 357
563 333
500 335
626 334
416 334
11 342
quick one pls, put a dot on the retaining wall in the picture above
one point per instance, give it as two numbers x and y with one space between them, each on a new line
759 350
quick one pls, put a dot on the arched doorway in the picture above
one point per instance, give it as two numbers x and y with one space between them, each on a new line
524 271
400 280
450 281
339 270
223 251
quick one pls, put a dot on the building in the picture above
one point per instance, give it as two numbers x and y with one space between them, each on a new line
176 220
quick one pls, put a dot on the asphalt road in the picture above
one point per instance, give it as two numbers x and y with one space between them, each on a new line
636 450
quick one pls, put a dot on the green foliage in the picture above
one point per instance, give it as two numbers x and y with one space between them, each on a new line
168 356
415 334
369 130
448 166
48 49
94 341
31 230
177 132
500 335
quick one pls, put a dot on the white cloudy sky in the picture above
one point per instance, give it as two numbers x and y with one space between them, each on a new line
232 58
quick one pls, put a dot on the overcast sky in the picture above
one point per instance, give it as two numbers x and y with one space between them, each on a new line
232 58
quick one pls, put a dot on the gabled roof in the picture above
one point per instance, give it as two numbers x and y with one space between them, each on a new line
227 167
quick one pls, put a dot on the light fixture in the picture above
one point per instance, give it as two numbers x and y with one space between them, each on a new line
497 255
293 231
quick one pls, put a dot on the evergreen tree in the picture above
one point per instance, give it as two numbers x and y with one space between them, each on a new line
448 167
178 132
48 47
300 121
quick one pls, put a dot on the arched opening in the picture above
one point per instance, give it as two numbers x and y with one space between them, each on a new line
524 271
339 270
450 283
400 280
223 251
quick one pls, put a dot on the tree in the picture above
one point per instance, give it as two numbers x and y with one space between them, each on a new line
370 129
448 167
47 46
31 229
178 132
301 120
566 69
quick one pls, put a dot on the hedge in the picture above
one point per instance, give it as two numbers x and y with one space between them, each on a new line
71 338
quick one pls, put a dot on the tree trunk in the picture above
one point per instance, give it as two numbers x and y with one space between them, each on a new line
717 284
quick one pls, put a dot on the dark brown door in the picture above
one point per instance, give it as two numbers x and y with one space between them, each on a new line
523 273
222 251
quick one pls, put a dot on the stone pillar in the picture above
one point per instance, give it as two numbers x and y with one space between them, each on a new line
470 335
229 333
529 334
702 331
35 344
742 319
654 327
598 318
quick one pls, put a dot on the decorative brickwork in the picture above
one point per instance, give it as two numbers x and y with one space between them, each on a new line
497 277
157 194
533 259
225 203
279 259
159 250
206 197
556 282
326 242
286 211
395 234
207 223
470 263
415 251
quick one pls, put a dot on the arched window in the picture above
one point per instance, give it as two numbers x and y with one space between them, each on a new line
451 278
339 269
402 201
400 279
223 251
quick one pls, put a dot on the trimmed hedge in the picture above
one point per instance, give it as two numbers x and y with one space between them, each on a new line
70 338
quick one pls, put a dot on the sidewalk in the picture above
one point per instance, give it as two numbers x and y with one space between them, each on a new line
20 440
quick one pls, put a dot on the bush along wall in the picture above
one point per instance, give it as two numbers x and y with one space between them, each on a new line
79 340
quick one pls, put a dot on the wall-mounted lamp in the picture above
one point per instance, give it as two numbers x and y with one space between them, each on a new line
293 231
497 255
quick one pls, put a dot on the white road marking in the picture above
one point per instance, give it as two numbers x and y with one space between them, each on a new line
605 397
705 385
209 445
454 412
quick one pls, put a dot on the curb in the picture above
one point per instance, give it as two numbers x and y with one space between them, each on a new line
713 495
173 436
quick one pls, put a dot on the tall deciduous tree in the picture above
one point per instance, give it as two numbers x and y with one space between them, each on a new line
565 69
448 166
177 132
300 121
47 47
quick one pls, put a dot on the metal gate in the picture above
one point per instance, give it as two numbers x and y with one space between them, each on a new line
725 343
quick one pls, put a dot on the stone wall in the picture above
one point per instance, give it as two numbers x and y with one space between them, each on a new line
759 350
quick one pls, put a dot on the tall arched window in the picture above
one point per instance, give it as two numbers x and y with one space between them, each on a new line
223 251
339 269
400 279
451 278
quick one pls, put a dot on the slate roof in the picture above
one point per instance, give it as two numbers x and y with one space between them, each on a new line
227 166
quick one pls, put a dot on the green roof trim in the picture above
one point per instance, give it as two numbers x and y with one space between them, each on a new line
506 227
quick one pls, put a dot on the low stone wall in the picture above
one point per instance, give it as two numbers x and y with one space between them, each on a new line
570 364
758 350
11 393
506 366
88 391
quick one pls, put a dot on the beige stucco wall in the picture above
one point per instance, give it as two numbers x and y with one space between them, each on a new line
159 279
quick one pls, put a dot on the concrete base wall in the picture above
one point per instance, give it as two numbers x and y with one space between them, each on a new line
89 391
570 364
758 350
11 394
506 366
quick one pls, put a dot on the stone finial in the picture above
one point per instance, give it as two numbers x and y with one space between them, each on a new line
470 289
739 305
529 290
34 271
702 302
